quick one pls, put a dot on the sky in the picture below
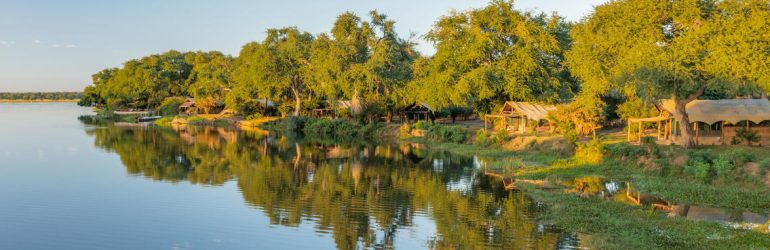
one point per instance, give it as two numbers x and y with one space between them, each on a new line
57 45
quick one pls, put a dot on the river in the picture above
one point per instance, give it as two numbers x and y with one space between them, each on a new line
69 182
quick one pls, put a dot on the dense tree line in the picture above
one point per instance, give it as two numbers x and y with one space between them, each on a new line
40 95
615 62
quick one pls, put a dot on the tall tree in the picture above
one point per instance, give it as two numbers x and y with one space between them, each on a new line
362 60
492 54
279 64
671 49
210 78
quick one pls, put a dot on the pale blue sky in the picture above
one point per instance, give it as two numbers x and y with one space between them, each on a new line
57 45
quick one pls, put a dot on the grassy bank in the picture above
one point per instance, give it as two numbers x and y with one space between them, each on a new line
731 178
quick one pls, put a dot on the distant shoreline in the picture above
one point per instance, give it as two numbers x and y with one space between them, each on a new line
37 100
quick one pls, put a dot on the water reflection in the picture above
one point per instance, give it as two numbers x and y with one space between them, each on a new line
362 195
625 192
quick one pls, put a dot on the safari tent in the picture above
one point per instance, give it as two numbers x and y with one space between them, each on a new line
715 122
515 115
418 111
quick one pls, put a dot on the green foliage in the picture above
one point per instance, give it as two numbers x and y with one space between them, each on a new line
482 138
649 50
492 54
170 106
625 150
447 133
421 125
743 134
764 166
255 116
591 152
723 167
703 165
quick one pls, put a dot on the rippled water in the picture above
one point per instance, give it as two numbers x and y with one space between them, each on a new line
74 183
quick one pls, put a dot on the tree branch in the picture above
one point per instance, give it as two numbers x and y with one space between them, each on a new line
697 94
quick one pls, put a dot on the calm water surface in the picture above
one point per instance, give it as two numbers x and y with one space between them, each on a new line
72 183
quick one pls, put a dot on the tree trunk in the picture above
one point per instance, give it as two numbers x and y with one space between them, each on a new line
298 101
680 106
389 117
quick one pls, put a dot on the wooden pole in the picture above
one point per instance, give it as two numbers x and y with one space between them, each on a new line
629 130
697 132
722 130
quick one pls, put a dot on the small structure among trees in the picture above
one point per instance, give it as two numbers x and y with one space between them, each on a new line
325 109
514 115
187 107
715 122
418 111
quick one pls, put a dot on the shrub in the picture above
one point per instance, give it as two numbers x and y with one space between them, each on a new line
196 120
421 125
624 150
740 157
501 135
405 130
482 138
455 134
723 166
591 152
699 164
170 106
255 116
743 134
651 145
295 123
764 166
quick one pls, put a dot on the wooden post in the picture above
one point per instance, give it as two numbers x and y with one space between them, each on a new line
485 123
697 132
658 134
641 131
722 130
629 130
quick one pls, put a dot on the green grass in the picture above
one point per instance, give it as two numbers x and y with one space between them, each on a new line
615 225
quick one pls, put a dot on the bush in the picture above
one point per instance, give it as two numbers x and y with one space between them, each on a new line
740 157
421 125
746 135
591 152
482 138
255 116
699 164
405 130
196 121
455 134
723 167
764 166
170 106
625 150
295 123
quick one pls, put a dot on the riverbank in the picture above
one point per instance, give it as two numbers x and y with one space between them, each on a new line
731 182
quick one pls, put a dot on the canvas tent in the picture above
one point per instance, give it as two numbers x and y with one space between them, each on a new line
418 111
517 114
714 121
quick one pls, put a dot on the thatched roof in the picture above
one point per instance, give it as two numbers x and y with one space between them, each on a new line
421 106
729 110
188 102
532 111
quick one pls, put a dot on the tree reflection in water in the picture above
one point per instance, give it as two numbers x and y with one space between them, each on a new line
362 194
